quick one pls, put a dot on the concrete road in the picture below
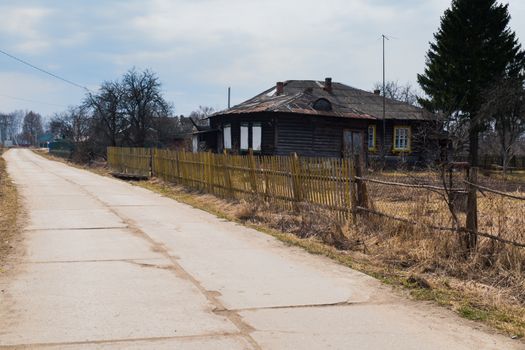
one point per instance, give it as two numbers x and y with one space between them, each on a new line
111 265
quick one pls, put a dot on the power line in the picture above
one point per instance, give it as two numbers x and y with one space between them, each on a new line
44 71
32 101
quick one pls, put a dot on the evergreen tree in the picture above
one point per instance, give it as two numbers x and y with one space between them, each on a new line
473 48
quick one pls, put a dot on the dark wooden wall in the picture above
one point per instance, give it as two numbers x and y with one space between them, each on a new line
285 133
267 125
313 136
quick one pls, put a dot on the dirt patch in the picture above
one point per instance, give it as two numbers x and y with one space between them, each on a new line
10 216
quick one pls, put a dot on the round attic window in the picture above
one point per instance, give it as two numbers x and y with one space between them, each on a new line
322 104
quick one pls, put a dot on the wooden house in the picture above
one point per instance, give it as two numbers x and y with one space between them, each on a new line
317 118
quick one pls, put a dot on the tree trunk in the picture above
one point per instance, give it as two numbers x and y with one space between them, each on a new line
505 161
473 147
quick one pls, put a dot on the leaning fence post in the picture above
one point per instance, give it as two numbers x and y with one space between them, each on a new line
471 237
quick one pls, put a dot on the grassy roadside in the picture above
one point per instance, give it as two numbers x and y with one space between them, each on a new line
468 299
9 213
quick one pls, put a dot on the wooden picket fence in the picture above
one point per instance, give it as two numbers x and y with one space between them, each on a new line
127 161
283 180
333 184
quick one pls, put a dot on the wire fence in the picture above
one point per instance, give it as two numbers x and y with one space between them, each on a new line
447 199
495 162
440 201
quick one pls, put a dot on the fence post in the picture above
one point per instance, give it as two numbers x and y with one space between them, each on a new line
212 172
296 177
471 237
352 189
253 175
362 194
177 166
151 167
226 170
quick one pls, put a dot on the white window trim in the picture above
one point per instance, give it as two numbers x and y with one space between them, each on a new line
256 141
227 136
245 140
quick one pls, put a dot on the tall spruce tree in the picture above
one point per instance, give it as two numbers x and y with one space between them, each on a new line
473 48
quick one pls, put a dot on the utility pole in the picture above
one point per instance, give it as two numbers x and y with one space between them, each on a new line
384 150
229 96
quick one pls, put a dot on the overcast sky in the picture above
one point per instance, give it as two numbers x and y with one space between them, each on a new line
200 47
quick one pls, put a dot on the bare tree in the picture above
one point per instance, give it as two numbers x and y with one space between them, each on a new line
73 125
32 128
200 116
504 111
14 126
395 91
10 125
142 103
109 121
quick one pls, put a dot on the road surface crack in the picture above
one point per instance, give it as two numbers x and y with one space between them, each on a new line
244 328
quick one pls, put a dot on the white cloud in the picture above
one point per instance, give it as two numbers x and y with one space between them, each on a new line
24 25
30 29
199 47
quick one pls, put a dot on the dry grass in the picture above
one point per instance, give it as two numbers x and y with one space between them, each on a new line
9 214
426 265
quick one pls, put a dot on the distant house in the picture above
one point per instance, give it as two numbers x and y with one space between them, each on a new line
318 118
45 139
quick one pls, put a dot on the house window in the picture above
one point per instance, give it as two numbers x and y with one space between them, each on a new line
227 136
371 137
402 138
244 136
256 136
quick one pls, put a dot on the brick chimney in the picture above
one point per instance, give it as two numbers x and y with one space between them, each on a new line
279 88
328 84
377 92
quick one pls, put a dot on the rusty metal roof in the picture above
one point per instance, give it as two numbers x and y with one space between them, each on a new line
299 96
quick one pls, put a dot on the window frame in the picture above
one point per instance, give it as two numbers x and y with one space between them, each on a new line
408 147
259 126
227 126
373 148
244 146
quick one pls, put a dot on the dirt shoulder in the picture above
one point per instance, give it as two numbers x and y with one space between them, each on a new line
10 216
